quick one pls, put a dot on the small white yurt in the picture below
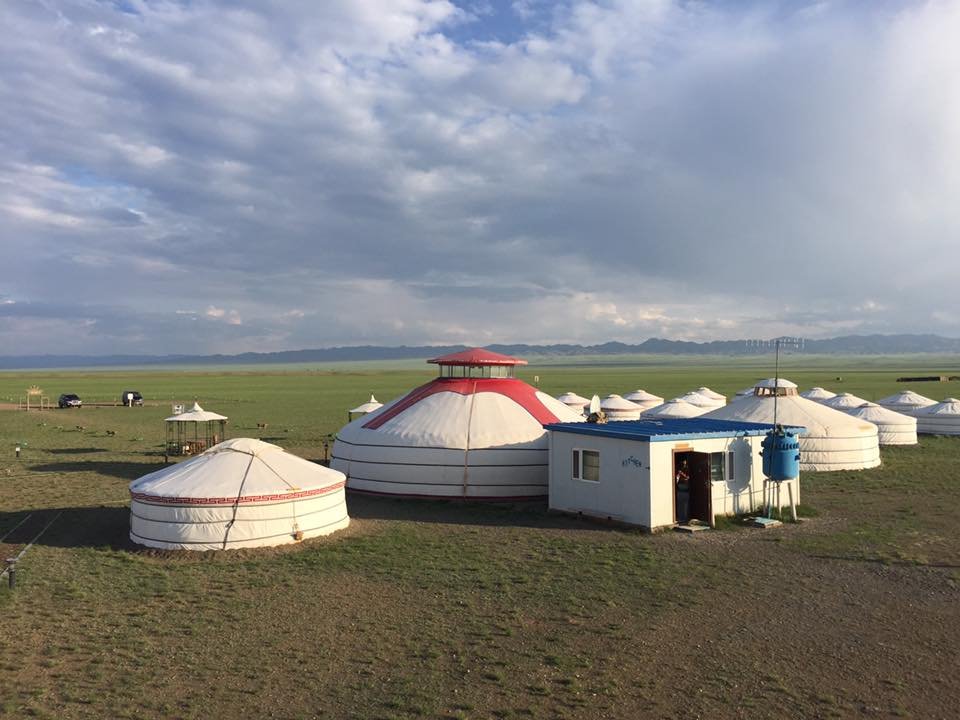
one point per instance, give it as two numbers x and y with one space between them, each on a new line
940 419
719 399
240 493
845 402
907 402
832 441
618 408
893 428
676 408
818 393
644 399
368 407
575 402
701 401
476 431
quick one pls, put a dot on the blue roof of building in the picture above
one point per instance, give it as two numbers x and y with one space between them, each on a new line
669 429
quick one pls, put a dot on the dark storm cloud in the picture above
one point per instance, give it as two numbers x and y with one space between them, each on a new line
312 174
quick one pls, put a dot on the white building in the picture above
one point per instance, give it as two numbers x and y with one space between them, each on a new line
627 471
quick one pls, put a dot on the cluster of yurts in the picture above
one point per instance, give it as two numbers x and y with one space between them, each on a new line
476 431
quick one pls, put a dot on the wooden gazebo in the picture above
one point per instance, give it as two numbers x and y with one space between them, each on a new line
194 431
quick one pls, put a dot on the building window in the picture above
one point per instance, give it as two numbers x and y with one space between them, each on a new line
717 460
730 467
586 465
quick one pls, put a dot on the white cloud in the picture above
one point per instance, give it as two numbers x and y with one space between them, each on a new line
601 171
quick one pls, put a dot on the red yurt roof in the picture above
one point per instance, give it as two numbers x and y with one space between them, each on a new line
477 357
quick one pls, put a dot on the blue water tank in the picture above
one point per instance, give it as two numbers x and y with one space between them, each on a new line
781 455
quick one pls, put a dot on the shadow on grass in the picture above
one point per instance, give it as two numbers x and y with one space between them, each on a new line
124 470
94 527
531 513
76 451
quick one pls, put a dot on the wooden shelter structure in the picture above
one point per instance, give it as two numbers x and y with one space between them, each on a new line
194 431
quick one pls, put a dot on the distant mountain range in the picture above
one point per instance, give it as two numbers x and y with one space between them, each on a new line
847 345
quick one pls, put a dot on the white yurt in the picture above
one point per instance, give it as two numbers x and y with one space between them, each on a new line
818 393
940 419
368 407
240 493
618 408
832 441
644 399
719 399
845 402
893 428
701 401
476 431
907 402
575 402
676 408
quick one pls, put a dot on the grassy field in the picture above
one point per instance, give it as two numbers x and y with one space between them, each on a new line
426 609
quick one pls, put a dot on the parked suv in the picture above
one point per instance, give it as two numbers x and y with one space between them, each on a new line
69 400
131 397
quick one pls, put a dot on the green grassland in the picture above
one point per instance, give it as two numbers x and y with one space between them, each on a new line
457 610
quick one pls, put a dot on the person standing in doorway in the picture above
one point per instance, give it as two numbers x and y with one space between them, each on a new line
683 492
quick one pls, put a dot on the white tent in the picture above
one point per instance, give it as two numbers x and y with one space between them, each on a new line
894 428
845 402
701 401
368 407
818 393
907 402
474 432
575 402
644 399
833 440
617 408
719 399
676 408
940 419
240 493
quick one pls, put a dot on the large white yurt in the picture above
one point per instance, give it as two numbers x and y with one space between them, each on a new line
644 399
676 408
240 493
818 393
893 428
575 402
832 441
940 419
618 408
476 431
907 402
845 402
701 401
719 399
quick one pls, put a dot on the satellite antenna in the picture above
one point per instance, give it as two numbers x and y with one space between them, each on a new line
594 404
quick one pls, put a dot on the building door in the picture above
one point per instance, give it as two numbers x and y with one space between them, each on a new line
692 476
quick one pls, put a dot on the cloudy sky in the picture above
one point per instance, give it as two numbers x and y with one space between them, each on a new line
222 177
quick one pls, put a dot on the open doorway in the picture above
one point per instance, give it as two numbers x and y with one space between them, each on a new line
691 472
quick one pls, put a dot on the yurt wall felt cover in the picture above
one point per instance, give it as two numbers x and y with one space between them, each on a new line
240 493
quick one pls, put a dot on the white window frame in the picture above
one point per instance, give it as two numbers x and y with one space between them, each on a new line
577 468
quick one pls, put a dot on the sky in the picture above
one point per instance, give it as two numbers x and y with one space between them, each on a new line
204 177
